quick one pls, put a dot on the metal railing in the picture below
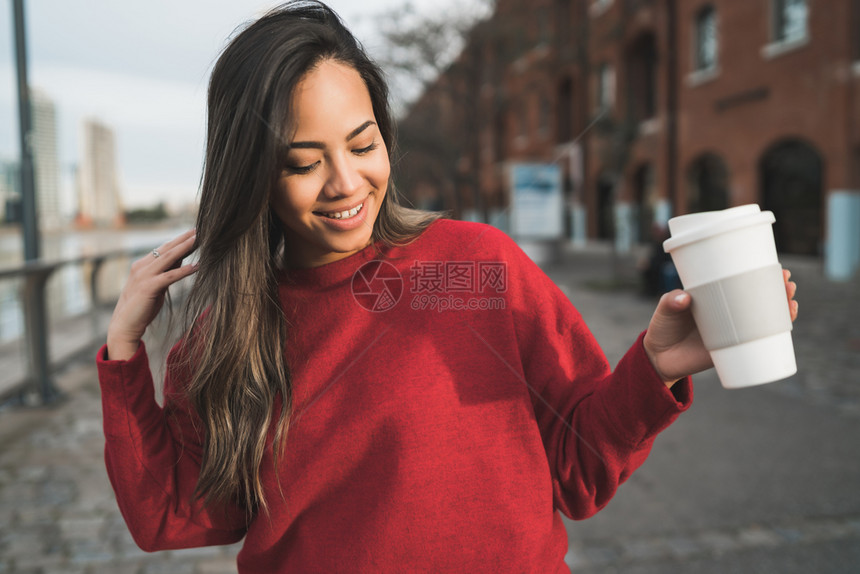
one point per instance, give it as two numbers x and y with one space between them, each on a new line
79 334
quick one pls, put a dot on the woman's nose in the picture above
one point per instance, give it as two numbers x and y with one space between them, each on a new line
344 178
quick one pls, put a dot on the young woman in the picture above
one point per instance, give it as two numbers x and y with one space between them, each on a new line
363 387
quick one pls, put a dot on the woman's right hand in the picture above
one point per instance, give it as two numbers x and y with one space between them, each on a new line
143 295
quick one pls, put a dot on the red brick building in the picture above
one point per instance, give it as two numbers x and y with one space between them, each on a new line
776 114
653 108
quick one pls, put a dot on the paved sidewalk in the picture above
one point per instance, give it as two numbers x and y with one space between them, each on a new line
749 481
58 514
754 480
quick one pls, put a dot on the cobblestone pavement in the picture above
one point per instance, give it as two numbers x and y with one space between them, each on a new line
756 480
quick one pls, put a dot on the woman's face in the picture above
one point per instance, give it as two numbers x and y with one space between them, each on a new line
329 194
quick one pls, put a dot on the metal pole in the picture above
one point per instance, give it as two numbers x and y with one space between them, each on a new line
30 217
34 296
37 336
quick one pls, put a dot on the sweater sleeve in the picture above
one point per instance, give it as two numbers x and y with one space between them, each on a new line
597 426
153 460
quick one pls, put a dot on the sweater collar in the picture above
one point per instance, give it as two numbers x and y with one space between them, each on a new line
335 272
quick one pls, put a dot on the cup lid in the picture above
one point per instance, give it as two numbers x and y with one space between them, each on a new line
686 229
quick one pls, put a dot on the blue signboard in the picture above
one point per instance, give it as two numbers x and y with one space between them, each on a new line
537 203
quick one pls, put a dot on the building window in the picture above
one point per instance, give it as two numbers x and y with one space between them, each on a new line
641 81
605 87
706 39
789 27
790 20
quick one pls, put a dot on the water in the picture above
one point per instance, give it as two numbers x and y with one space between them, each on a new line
68 290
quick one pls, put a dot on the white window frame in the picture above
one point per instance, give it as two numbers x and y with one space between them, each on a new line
699 76
779 46
697 39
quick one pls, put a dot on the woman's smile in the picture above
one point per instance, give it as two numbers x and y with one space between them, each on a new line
346 220
342 214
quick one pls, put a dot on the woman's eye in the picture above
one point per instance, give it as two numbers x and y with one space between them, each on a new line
301 169
365 150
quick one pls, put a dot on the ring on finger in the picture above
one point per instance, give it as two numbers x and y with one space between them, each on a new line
155 253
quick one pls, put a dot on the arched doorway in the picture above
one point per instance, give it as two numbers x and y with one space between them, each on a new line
791 182
707 184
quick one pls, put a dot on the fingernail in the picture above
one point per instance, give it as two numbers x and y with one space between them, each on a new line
681 298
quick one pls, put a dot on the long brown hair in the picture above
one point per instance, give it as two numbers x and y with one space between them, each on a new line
239 374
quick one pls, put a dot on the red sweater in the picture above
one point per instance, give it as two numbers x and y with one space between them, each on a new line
423 438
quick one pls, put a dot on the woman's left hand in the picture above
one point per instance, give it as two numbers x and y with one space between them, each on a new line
672 342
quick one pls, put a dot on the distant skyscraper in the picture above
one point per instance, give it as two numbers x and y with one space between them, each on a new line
46 165
98 182
10 192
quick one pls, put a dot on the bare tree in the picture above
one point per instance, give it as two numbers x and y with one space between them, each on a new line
437 62
418 47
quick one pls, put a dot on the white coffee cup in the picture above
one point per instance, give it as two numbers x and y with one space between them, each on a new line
727 262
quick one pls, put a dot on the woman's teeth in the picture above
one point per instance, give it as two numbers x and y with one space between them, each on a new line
344 214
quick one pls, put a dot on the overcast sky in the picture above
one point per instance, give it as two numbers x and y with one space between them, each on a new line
142 68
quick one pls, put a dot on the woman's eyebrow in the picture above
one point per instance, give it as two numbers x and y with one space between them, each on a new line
318 145
354 133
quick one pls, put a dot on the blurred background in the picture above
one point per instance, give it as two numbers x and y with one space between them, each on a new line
577 126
